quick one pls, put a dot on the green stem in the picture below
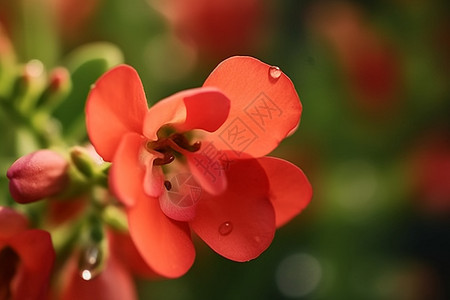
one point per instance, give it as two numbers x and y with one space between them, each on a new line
37 126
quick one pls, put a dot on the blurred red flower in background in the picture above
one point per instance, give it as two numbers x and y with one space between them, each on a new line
219 28
73 16
430 166
370 63
69 16
26 258
114 282
216 133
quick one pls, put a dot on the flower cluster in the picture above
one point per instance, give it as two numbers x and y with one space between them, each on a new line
192 163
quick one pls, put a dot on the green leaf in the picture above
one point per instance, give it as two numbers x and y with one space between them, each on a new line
86 65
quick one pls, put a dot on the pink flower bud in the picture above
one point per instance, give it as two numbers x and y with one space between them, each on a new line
59 79
37 175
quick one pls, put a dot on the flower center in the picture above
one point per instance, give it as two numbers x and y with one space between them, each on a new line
9 260
168 146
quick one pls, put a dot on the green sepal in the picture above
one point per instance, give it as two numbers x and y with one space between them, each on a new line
115 217
83 161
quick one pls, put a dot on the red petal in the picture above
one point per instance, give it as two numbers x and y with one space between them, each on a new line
116 105
154 178
113 283
130 170
124 249
11 222
35 249
208 170
290 190
265 107
240 223
201 108
179 202
165 245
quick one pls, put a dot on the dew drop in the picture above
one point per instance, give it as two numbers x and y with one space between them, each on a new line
86 275
274 72
90 263
225 228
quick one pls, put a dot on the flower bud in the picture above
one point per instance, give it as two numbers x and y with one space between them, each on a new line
58 88
28 86
37 175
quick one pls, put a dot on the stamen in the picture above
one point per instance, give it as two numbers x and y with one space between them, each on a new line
167 159
183 142
165 147
167 185
196 146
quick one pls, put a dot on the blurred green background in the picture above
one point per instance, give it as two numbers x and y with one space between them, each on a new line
374 139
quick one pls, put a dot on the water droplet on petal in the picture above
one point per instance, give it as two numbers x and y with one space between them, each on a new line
275 72
225 228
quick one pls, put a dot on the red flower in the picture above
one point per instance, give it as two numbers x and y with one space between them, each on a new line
114 281
26 258
232 201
